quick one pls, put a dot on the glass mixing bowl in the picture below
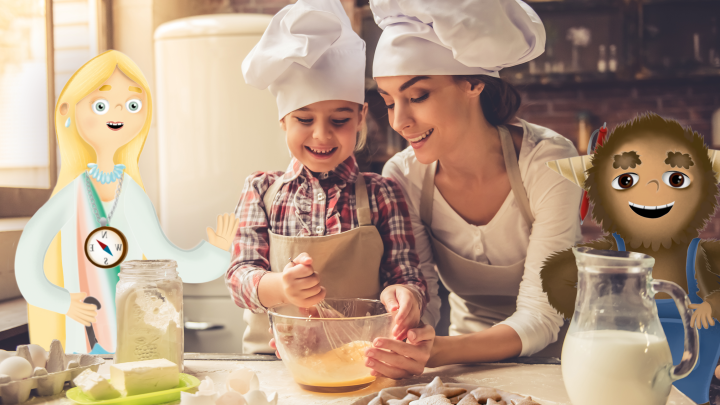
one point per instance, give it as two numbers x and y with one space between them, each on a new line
328 354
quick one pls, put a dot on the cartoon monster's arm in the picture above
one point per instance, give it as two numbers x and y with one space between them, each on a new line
200 264
32 248
559 276
706 274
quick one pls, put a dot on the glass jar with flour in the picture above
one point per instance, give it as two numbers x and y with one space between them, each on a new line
149 301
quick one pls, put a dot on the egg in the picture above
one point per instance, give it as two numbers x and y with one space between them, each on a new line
16 367
231 398
242 380
4 355
38 354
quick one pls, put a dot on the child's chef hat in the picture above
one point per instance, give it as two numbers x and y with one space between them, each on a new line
454 37
308 53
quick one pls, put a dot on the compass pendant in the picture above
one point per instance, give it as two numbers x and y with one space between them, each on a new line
106 247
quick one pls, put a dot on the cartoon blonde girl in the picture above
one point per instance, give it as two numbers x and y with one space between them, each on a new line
102 119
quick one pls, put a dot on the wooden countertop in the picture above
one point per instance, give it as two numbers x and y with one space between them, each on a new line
542 381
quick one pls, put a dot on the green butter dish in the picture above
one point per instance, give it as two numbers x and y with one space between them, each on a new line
187 382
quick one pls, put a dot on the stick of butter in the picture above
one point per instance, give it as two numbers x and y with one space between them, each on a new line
142 377
95 386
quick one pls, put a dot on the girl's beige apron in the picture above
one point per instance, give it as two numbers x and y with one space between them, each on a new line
481 295
348 263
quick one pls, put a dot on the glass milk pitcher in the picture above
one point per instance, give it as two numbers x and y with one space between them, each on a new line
615 346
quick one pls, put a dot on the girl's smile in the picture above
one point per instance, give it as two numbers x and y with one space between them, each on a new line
321 153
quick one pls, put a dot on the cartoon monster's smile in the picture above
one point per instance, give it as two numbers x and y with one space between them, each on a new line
647 211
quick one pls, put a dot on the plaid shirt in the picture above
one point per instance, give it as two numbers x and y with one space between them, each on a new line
317 204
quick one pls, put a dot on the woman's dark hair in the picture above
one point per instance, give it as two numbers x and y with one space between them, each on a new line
499 99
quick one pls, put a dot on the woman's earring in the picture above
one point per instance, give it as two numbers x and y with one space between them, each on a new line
67 123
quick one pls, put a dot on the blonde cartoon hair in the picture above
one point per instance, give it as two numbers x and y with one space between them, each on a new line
75 154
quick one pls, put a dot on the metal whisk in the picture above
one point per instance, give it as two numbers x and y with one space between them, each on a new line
337 333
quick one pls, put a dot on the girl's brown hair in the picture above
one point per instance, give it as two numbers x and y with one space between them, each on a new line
499 99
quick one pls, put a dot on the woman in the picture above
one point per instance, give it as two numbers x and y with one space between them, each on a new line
102 119
485 209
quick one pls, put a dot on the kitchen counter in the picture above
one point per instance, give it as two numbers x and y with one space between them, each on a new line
13 318
542 381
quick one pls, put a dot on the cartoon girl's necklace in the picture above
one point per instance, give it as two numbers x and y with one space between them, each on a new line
105 247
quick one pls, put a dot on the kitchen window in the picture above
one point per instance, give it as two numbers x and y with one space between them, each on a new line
27 140
42 43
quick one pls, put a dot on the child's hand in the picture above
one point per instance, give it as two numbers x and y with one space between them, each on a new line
300 283
401 299
274 346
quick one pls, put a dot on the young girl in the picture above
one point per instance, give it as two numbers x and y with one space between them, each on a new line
349 230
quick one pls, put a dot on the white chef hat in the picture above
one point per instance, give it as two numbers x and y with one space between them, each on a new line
308 53
454 37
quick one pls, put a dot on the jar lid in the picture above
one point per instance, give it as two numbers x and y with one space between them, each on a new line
148 264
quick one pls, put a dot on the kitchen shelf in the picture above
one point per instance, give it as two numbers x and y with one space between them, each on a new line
573 80
543 6
558 79
652 39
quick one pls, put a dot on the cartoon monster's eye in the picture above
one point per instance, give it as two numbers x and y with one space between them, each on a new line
133 105
625 181
100 107
676 179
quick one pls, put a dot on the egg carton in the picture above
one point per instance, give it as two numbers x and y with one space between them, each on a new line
49 380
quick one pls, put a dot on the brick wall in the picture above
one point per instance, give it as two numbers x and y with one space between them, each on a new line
690 101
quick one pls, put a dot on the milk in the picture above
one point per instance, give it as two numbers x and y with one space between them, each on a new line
616 367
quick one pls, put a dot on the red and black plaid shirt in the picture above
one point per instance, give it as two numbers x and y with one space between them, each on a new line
316 204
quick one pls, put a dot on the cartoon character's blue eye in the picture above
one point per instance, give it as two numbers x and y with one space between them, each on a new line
100 107
625 181
676 179
133 105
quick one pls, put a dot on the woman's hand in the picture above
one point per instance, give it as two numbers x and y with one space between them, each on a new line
226 228
401 299
702 316
396 359
301 284
272 344
79 311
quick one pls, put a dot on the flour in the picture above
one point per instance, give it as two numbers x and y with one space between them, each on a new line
149 323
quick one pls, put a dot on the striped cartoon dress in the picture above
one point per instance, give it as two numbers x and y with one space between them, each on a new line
48 290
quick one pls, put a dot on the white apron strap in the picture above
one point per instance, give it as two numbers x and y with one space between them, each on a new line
270 194
427 194
513 171
362 203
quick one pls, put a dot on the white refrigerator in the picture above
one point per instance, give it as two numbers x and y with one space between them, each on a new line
214 130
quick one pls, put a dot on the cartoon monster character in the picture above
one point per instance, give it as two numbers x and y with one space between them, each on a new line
653 185
102 119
